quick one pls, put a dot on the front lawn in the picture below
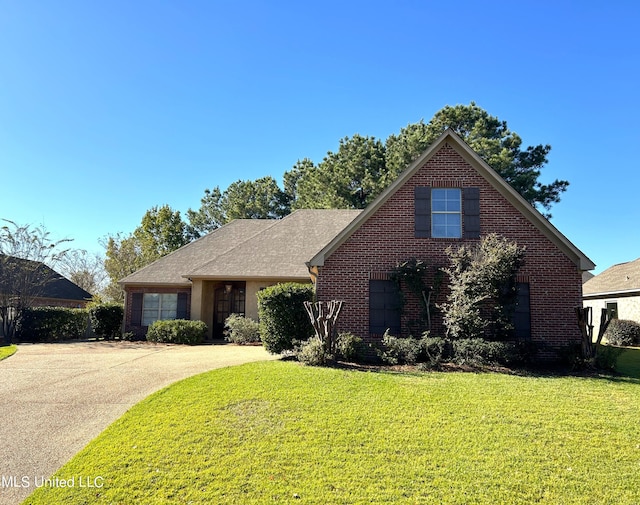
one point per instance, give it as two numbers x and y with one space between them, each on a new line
278 432
7 350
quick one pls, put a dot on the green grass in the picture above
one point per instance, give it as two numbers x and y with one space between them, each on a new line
7 350
628 363
278 432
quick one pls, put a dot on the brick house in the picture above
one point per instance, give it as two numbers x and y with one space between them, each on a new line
448 197
38 284
617 289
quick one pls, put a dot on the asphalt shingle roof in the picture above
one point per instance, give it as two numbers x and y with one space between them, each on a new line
250 248
55 285
620 277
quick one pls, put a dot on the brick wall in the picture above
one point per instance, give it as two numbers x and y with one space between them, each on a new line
141 331
388 237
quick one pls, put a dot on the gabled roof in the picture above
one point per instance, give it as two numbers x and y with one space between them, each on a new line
249 248
54 285
451 138
281 250
170 268
618 279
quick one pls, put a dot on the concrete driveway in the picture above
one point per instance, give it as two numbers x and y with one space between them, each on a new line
55 398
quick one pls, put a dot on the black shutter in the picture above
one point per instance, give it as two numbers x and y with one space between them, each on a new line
136 309
471 202
182 310
384 307
422 204
521 318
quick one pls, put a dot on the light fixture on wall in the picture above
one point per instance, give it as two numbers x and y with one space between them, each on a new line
228 288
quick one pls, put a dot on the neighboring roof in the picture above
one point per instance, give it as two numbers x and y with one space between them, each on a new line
250 248
618 279
55 286
450 137
281 250
170 268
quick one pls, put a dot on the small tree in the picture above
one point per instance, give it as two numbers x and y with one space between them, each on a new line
27 258
482 288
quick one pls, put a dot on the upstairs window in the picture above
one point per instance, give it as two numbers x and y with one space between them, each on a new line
446 213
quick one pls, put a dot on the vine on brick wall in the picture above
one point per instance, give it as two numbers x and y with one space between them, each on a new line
412 274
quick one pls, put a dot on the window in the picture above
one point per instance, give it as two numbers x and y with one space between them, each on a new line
159 306
612 309
446 213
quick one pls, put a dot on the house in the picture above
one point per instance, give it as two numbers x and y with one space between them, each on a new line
221 273
447 197
38 284
617 290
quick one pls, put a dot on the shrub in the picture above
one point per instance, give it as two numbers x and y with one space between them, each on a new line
312 352
400 350
482 288
106 320
283 318
478 352
46 324
350 347
434 349
623 332
241 330
177 331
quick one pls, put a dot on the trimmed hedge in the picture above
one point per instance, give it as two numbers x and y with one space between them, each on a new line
283 318
623 332
51 324
177 331
106 320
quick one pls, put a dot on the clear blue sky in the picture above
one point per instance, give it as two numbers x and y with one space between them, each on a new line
108 108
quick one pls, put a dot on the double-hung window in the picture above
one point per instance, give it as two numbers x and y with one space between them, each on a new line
159 306
446 213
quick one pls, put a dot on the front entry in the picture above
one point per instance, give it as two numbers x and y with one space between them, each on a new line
228 299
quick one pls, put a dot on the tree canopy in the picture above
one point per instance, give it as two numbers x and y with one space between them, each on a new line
364 166
161 231
259 199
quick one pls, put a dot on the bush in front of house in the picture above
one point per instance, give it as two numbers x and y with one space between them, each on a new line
623 332
433 351
177 331
283 318
241 330
312 353
350 347
106 320
51 324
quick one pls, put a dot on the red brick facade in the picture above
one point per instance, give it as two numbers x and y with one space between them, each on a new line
387 237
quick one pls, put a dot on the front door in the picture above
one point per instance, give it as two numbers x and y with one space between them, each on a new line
228 299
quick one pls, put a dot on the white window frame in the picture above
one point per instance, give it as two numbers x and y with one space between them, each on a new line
152 314
445 212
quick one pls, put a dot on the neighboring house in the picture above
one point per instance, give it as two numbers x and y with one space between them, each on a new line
617 290
49 289
221 273
448 197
